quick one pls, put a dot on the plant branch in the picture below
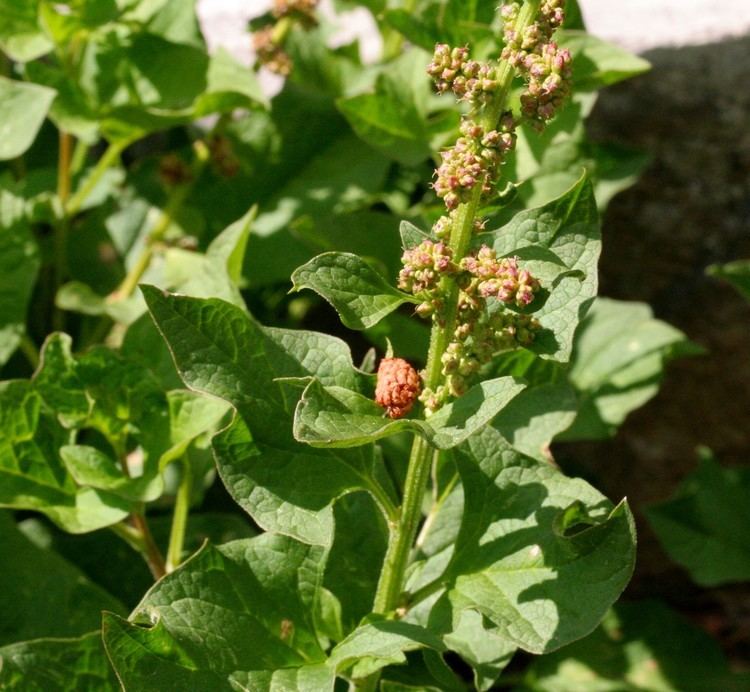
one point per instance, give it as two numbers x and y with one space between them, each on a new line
179 517
388 597
139 535
65 153
29 349
108 159
151 553
174 203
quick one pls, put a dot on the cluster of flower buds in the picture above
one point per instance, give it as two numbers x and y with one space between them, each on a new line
424 266
269 53
545 67
500 278
304 9
483 326
479 335
469 80
268 41
223 158
442 228
473 160
173 171
397 387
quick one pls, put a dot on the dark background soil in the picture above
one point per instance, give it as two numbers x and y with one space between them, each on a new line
690 209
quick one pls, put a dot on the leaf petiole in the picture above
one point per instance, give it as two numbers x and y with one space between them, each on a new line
179 517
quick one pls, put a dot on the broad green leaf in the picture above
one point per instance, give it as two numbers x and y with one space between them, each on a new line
81 487
619 356
360 295
597 63
310 678
736 273
573 15
541 556
338 417
65 24
125 85
411 236
19 265
217 273
23 107
705 527
551 162
317 68
569 228
190 416
481 647
229 85
410 338
242 607
42 594
455 22
63 665
536 416
472 637
72 110
639 646
100 390
33 476
464 632
122 574
21 37
341 177
175 20
393 118
221 351
367 233
91 468
377 644
283 488
356 556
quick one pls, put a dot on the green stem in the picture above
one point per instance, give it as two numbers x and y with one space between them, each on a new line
65 153
63 167
29 349
139 538
128 534
79 157
179 517
390 510
388 596
175 201
150 552
138 535
108 159
404 531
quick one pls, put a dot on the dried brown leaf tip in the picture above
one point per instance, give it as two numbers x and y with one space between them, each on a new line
398 387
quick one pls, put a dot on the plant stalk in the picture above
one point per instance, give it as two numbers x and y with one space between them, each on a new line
151 553
390 586
139 536
108 159
179 517
177 198
65 153
29 349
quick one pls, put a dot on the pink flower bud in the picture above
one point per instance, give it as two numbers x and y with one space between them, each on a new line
398 386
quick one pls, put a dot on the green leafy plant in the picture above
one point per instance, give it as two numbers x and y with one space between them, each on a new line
395 528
